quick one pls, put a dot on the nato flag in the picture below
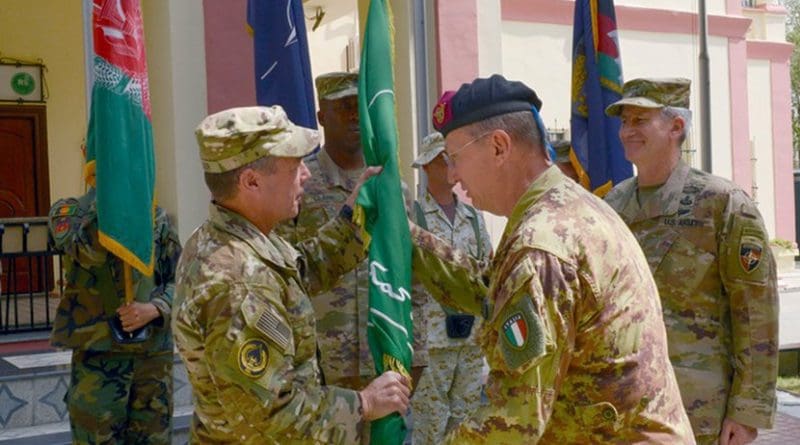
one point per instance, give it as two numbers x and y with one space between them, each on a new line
282 66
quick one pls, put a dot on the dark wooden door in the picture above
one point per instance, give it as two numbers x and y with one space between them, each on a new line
24 183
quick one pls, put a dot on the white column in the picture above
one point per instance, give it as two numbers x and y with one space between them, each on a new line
175 36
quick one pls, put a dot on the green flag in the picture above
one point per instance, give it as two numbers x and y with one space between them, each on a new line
389 323
119 144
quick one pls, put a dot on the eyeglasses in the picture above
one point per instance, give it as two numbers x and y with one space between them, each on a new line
450 158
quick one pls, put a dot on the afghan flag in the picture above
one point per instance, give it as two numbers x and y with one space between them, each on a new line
389 322
282 65
119 144
597 153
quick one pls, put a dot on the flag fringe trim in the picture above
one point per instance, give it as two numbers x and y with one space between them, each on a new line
90 173
391 362
125 254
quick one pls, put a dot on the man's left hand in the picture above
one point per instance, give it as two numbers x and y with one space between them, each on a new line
135 315
734 433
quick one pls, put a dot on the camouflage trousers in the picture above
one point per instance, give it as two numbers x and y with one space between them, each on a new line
119 398
449 390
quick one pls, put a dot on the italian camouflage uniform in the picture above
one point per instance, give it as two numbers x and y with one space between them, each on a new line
118 393
450 387
245 329
707 248
345 357
573 332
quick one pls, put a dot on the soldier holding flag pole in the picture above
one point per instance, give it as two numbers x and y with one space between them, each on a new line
120 253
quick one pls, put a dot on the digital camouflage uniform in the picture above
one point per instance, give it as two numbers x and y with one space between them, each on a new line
243 323
573 332
345 357
707 248
450 387
341 313
118 393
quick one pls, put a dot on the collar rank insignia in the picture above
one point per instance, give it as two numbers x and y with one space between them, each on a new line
750 251
253 358
515 329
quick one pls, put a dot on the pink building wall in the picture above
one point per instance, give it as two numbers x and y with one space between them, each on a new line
230 78
230 72
457 43
734 27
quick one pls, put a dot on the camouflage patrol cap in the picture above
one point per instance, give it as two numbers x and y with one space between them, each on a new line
238 136
332 86
652 93
432 146
562 151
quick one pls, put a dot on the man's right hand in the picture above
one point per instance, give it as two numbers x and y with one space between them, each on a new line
386 394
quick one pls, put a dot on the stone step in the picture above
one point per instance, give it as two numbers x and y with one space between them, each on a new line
32 388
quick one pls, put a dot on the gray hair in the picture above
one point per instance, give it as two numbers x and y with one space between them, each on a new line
683 113
223 185
520 125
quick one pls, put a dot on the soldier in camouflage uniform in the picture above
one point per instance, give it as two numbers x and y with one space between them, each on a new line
118 392
345 357
708 251
573 331
563 161
243 322
450 387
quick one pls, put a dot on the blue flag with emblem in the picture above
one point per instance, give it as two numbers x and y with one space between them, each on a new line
282 65
597 153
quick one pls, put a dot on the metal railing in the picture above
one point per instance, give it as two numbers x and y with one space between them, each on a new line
30 281
749 3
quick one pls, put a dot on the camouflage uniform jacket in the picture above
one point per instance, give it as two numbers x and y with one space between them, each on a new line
461 234
573 332
94 287
341 312
708 251
244 327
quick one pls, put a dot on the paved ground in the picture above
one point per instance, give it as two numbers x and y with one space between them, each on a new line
786 432
789 288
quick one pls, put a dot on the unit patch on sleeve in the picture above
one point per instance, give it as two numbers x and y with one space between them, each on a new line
253 358
750 251
521 336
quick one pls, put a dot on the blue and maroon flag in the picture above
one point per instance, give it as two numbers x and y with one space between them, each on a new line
119 143
282 65
597 152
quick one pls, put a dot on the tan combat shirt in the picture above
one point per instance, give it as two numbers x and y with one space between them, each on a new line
245 329
707 248
342 311
574 336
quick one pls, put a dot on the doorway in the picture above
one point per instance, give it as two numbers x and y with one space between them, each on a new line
24 189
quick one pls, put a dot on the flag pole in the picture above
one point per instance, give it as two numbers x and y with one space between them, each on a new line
705 90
